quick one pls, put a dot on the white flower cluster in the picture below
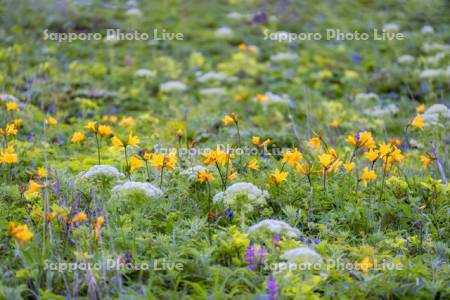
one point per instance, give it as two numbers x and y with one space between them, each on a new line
101 172
283 56
405 59
430 47
435 113
9 98
433 73
213 76
363 98
134 186
213 91
224 32
172 86
145 73
302 253
379 111
242 196
274 227
192 173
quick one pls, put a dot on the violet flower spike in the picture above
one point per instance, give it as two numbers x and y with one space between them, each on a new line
272 288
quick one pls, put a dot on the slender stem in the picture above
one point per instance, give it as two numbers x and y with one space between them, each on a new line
209 210
126 162
161 179
98 148
148 171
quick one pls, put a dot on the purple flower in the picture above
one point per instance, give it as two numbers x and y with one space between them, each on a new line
30 136
316 241
229 213
250 254
276 239
356 58
261 255
302 239
260 17
51 108
308 241
272 288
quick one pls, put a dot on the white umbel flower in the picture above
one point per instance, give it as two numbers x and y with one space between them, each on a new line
211 75
172 86
9 98
363 98
283 56
431 73
224 32
435 113
405 59
307 255
391 27
427 29
212 91
275 227
243 196
145 73
101 172
134 186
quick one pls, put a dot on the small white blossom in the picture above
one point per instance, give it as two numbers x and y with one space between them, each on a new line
9 98
172 86
379 111
212 91
427 47
302 253
431 73
283 56
133 186
365 97
101 172
237 16
275 227
145 73
134 11
224 32
391 27
405 59
436 112
427 29
242 196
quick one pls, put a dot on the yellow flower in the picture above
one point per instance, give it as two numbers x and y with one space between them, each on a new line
77 137
80 217
12 106
335 123
335 165
302 169
229 119
34 187
51 121
17 122
233 175
180 132
261 98
366 139
170 161
135 163
278 177
292 157
426 161
157 160
315 143
384 150
132 140
8 156
116 142
252 165
91 126
256 140
11 129
104 130
98 225
216 156
349 166
242 47
372 155
42 172
127 122
326 160
368 175
365 265
351 140
147 156
420 109
267 142
204 176
20 232
418 122
397 155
